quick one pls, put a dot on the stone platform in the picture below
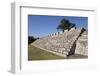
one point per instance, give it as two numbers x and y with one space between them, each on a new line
65 44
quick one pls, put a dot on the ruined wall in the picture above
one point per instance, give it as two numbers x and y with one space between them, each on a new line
82 44
64 44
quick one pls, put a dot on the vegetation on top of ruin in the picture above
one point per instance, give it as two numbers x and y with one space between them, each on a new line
65 24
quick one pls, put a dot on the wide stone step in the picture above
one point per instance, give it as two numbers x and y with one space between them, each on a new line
85 33
85 36
60 51
83 43
83 39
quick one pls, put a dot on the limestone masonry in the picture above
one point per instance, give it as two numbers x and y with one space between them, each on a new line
65 44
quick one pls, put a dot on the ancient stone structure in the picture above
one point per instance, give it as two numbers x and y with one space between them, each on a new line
66 43
82 44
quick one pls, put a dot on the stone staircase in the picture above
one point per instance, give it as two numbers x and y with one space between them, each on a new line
82 43
61 44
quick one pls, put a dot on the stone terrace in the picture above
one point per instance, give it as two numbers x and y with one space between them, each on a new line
66 43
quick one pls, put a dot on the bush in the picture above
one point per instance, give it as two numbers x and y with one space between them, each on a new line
31 39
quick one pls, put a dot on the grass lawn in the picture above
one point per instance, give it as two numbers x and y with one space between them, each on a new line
35 53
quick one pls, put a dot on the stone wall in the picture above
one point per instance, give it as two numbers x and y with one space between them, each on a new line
66 43
82 44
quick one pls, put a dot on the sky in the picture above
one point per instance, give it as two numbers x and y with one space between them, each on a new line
40 25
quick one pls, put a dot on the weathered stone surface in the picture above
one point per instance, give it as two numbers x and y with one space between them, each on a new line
66 43
82 44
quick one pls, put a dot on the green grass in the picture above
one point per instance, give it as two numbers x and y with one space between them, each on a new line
35 53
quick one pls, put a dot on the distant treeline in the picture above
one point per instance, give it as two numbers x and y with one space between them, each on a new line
31 39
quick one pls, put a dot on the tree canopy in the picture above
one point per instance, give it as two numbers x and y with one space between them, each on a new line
65 25
31 39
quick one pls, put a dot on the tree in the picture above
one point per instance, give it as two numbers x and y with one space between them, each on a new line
65 24
31 39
